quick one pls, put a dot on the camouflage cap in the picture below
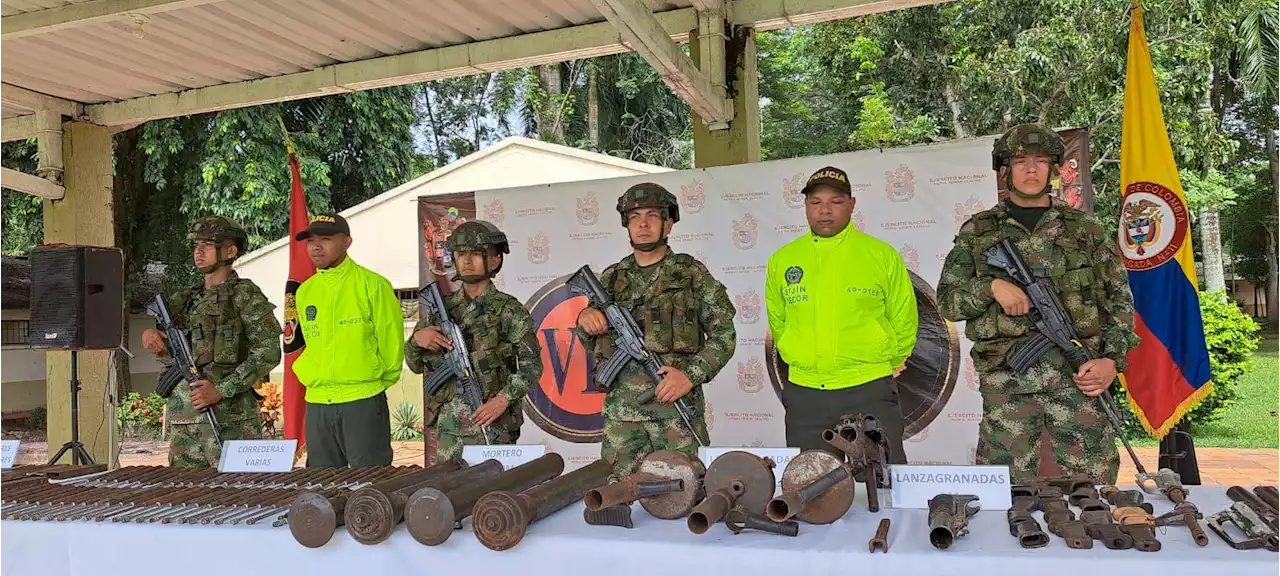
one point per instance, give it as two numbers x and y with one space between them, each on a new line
218 228
1027 140
648 195
477 235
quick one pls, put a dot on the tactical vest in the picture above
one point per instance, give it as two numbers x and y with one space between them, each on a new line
1067 264
667 311
219 344
492 357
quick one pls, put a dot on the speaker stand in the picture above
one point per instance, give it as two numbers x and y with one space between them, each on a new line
78 453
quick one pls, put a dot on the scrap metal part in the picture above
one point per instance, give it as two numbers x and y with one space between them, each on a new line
816 488
1075 534
1257 534
1100 525
432 512
739 519
1024 527
1255 502
881 539
617 515
501 518
949 518
754 473
1138 523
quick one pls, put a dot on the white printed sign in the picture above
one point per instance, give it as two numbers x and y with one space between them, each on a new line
8 452
510 455
780 456
913 486
257 455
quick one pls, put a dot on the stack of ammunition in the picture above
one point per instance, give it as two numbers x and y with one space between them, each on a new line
177 496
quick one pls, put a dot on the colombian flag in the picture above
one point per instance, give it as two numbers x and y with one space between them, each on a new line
1169 370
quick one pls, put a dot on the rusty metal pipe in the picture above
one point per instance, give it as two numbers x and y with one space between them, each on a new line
1253 501
373 513
1269 496
502 518
714 508
432 512
627 490
790 504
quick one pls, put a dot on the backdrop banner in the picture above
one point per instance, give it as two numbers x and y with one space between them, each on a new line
732 219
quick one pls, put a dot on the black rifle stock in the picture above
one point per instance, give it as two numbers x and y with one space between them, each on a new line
628 343
1055 330
457 361
184 361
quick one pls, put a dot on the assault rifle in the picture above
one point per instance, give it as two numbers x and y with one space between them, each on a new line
628 343
1055 330
457 361
184 361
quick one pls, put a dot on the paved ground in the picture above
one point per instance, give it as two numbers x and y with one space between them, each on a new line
1218 466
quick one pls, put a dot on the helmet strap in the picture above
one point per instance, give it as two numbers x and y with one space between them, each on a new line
1048 185
218 260
660 242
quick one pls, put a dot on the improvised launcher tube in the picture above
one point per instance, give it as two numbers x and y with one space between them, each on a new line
630 489
372 513
501 518
1269 496
314 518
433 511
787 505
1252 500
949 518
714 508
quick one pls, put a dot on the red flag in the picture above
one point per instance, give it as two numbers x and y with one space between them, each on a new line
300 268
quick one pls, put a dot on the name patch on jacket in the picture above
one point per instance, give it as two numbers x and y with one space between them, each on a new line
795 294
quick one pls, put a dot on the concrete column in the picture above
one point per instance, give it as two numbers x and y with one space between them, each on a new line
740 143
84 217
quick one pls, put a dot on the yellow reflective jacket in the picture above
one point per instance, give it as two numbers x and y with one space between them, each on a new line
842 310
354 331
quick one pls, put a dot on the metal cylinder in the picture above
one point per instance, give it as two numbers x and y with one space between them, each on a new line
1024 527
1269 495
833 437
433 511
714 508
1255 503
373 513
940 533
313 517
738 520
501 518
624 491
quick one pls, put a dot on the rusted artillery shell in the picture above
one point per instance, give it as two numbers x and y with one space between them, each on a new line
816 488
372 513
432 513
501 518
714 508
753 472
314 518
671 465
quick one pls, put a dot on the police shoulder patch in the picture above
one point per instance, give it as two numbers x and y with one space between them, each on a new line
311 313
794 274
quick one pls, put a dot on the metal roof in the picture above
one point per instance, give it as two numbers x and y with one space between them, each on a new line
120 51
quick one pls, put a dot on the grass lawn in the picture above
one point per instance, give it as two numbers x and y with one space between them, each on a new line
1251 421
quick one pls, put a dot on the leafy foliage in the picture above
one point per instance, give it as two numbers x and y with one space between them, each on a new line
138 415
270 407
1232 338
405 422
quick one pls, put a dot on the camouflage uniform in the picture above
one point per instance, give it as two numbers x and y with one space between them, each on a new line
235 340
687 319
503 347
1081 259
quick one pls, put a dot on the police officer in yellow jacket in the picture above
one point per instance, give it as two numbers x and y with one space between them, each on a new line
842 312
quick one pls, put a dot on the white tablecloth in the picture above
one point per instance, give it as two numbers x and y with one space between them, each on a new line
564 544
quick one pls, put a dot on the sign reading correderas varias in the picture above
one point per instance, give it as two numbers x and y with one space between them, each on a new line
732 219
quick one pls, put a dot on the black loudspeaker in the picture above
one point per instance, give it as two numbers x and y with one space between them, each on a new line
77 298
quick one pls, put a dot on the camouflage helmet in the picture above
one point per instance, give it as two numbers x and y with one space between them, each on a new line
218 228
1027 140
476 236
648 195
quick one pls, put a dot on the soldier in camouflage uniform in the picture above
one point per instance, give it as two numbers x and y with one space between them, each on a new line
500 339
235 339
1071 250
687 319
